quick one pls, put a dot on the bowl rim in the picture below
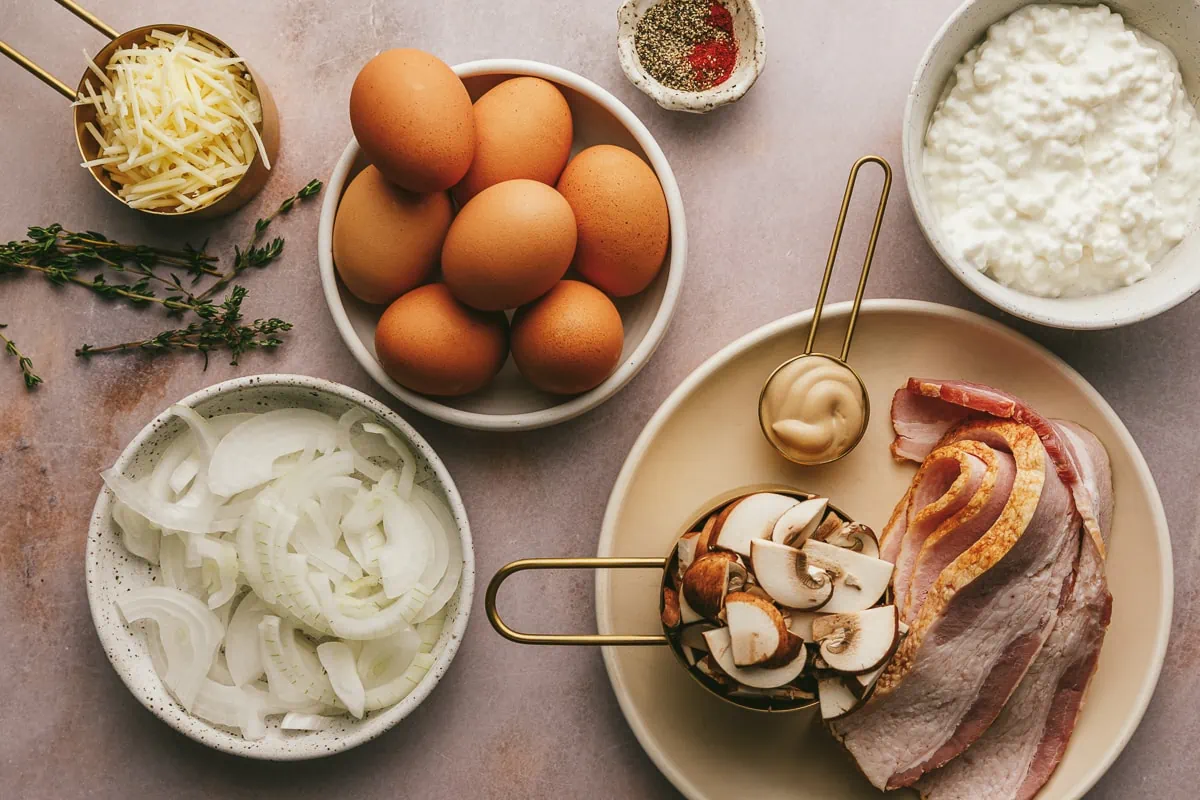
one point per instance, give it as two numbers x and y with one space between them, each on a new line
676 99
452 632
1010 300
629 367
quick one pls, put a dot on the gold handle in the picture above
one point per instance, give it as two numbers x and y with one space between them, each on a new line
833 249
42 75
565 638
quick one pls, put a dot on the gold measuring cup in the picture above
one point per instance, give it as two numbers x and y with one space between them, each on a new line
781 373
757 702
248 185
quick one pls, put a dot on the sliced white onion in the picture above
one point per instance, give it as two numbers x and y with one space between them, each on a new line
298 721
338 661
138 535
242 652
292 670
190 634
322 519
244 461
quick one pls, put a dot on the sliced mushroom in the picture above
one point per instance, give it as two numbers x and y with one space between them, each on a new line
799 522
800 623
709 668
837 700
867 679
858 642
858 580
685 554
752 517
687 614
758 632
704 540
828 526
709 578
857 537
671 616
720 648
692 636
786 574
690 656
787 694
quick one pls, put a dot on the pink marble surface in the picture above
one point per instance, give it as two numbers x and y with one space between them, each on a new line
760 181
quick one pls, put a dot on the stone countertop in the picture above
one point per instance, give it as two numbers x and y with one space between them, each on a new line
761 182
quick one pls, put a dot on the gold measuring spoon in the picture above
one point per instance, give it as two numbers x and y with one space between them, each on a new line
814 408
247 185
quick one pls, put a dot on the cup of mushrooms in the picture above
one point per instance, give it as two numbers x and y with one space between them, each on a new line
772 599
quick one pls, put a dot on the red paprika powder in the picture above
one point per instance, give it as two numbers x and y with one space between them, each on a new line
687 44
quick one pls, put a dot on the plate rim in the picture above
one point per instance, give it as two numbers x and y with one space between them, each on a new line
726 354
570 407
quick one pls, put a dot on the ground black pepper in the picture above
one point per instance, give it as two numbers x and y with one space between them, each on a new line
687 44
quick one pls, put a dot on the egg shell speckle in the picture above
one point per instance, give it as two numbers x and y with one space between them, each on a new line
387 240
523 129
568 341
622 216
412 116
433 344
509 245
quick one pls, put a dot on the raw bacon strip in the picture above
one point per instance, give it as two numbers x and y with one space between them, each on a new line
983 620
992 402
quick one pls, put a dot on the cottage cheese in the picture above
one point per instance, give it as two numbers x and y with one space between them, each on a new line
1064 159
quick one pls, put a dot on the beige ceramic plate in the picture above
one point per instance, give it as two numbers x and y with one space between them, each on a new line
705 440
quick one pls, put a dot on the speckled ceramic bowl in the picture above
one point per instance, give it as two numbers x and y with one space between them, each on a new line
111 570
751 34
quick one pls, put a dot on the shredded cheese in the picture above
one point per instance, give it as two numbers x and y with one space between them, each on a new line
175 121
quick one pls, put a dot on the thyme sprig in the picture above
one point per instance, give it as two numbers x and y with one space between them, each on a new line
219 328
69 258
255 256
31 378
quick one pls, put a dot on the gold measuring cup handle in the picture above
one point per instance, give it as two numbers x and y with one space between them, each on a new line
45 77
590 639
833 249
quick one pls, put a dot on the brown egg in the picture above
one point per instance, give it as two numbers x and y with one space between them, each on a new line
523 129
622 216
509 245
429 342
568 341
387 240
412 117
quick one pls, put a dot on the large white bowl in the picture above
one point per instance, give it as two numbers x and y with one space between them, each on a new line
509 402
1175 23
111 570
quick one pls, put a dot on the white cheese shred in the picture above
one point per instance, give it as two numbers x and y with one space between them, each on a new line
176 122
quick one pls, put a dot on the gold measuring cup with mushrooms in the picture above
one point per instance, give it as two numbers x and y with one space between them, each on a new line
771 598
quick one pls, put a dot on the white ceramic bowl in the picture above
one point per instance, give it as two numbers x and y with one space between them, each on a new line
509 402
111 570
1175 23
751 35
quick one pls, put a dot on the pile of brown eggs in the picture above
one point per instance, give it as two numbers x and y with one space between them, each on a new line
468 211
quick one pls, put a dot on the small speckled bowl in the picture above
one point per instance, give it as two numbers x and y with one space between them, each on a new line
751 36
111 570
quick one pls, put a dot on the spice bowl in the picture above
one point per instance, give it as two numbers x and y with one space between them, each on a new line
749 33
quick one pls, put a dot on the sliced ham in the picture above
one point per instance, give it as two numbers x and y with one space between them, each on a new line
998 546
915 430
1022 748
982 622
